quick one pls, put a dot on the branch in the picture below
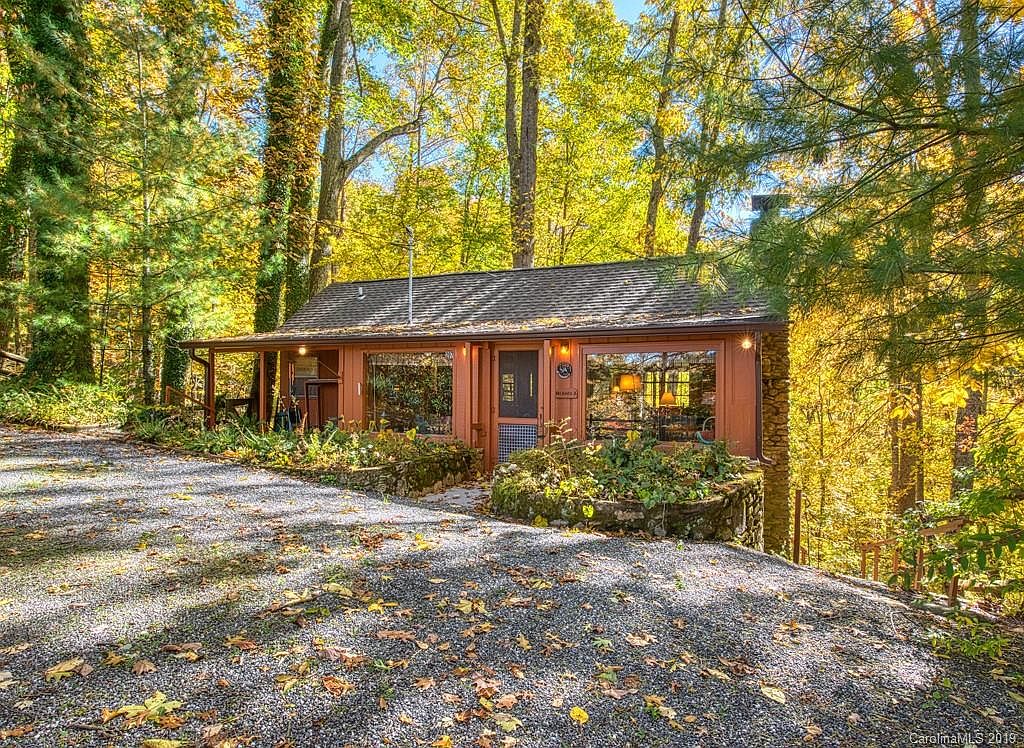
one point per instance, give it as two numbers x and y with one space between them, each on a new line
459 17
368 148
852 108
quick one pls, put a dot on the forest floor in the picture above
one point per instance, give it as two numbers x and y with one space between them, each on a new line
147 597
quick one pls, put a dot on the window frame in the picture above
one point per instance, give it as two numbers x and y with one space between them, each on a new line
694 345
363 392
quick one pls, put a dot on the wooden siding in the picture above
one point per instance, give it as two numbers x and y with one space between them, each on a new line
474 404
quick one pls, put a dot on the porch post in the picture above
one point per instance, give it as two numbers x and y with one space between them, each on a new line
262 407
211 393
341 387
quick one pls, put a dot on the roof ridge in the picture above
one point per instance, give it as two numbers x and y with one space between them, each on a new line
663 259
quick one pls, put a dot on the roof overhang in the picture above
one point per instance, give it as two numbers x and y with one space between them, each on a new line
281 340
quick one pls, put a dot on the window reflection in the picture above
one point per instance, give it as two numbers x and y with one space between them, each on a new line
666 394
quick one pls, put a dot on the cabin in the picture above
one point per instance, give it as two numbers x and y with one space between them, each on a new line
498 359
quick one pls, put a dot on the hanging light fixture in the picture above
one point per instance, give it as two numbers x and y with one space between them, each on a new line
667 398
629 382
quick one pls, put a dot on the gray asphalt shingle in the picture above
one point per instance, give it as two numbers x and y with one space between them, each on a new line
612 296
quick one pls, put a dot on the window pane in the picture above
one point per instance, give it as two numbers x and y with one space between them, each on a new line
410 390
668 395
517 397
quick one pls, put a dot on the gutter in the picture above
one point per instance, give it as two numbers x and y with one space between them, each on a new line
565 332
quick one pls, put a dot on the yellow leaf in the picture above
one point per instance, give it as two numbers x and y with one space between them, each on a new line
507 722
775 694
444 741
163 743
579 715
63 669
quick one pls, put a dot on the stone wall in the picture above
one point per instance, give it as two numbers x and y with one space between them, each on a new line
416 477
775 438
735 514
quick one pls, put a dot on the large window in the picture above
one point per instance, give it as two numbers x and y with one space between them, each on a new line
669 395
410 391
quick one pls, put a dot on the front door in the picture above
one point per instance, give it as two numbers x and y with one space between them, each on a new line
518 397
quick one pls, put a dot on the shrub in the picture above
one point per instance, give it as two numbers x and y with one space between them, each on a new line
331 450
629 469
61 404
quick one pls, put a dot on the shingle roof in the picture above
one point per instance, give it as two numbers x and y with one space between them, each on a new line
617 296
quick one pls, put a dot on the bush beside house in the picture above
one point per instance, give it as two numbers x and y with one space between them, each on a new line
698 492
389 462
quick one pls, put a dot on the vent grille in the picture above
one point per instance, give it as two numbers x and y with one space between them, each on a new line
513 437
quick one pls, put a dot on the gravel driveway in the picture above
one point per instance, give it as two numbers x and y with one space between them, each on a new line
217 605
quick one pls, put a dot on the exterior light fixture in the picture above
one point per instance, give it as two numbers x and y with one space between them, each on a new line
667 398
746 344
302 350
564 350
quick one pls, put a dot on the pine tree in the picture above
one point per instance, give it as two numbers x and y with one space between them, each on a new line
48 173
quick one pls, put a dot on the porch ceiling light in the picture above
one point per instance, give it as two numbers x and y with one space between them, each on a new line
302 350
746 344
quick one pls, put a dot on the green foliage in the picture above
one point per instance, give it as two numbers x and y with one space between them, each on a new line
987 551
328 450
630 469
60 403
971 638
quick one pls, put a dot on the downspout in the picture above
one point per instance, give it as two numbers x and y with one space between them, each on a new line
759 416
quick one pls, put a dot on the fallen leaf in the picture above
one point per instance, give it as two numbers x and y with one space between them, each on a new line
579 715
239 641
444 741
63 669
641 640
775 694
141 667
407 636
336 686
506 722
17 732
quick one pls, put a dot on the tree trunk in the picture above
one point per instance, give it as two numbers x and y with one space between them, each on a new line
700 206
523 218
14 242
966 425
906 485
658 176
284 154
146 277
338 32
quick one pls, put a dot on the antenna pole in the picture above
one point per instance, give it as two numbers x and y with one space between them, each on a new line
408 231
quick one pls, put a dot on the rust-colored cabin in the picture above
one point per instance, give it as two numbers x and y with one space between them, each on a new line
494 358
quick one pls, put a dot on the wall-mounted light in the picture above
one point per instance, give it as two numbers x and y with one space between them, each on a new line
302 350
746 344
564 350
